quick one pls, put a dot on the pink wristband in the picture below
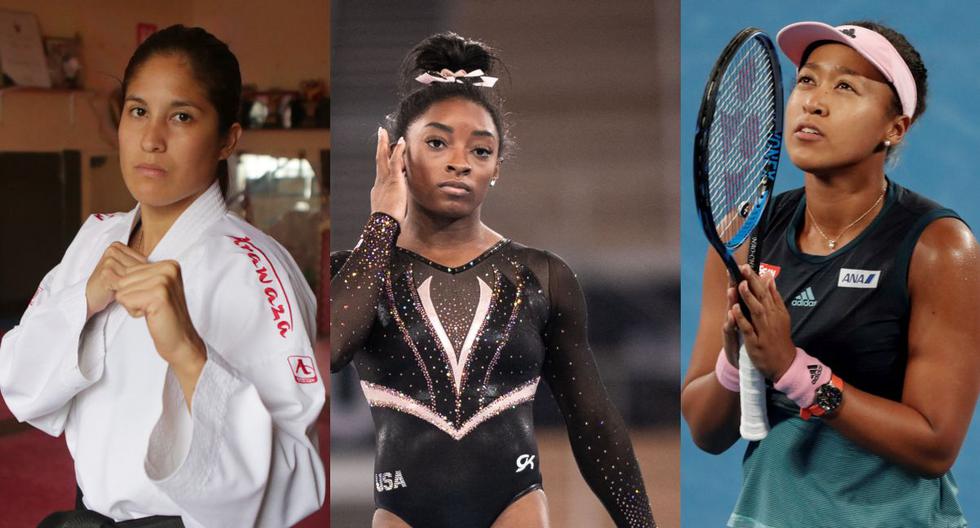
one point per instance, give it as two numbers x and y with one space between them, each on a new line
727 374
800 382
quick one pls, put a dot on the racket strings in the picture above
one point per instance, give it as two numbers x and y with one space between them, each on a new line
744 119
733 190
737 182
746 196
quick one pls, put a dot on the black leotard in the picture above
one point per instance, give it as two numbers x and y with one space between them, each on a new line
449 360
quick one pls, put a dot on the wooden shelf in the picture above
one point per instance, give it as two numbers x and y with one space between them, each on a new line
39 90
290 130
54 119
284 142
45 92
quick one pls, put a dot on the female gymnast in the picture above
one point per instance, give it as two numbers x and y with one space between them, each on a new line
173 344
451 326
863 315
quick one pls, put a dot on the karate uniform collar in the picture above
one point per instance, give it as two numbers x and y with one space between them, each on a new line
208 208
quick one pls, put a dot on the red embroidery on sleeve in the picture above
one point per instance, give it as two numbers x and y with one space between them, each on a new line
262 265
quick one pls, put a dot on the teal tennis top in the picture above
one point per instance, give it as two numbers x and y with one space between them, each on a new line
850 309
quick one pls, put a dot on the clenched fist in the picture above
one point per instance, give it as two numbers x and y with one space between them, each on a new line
154 292
101 286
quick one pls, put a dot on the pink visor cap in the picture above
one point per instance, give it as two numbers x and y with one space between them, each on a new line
794 39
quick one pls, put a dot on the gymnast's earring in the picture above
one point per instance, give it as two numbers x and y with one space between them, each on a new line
888 143
493 182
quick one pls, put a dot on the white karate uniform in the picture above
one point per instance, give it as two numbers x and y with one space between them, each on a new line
247 454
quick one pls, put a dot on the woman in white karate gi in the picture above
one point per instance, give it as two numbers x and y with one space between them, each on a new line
173 343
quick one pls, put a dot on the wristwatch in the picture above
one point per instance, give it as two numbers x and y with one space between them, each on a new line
827 400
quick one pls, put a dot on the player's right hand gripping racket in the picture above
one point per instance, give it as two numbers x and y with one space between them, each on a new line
736 154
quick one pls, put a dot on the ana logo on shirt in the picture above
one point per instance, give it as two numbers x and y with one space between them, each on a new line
858 278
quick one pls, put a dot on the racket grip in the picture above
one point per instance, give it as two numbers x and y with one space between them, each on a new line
752 394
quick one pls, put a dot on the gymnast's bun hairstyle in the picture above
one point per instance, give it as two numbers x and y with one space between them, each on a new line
453 52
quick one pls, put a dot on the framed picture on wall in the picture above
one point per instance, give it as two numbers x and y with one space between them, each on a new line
22 59
64 61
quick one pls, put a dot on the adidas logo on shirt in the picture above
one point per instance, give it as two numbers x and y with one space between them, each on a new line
805 299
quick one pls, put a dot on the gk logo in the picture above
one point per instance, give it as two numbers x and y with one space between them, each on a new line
524 461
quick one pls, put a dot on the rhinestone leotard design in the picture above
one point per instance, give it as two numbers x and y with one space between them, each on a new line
450 360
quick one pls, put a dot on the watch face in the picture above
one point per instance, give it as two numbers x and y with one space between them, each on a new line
828 397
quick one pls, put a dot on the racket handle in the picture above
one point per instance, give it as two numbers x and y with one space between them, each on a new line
752 392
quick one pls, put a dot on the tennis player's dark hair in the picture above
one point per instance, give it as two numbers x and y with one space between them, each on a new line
453 52
908 53
213 65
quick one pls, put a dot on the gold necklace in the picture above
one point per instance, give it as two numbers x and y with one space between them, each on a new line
832 242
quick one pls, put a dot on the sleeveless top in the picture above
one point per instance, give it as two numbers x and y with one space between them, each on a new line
850 309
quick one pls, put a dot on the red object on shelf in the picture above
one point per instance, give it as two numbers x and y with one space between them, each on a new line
143 31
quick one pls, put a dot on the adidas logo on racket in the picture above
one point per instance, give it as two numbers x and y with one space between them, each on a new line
805 299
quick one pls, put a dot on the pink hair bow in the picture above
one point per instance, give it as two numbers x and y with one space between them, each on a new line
448 76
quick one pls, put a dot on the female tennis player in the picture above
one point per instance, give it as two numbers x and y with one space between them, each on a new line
173 344
451 326
863 315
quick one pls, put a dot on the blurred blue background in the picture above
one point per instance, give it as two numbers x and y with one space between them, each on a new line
937 161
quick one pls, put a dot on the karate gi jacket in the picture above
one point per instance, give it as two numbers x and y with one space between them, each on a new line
247 454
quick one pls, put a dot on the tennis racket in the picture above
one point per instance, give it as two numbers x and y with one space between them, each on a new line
736 154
